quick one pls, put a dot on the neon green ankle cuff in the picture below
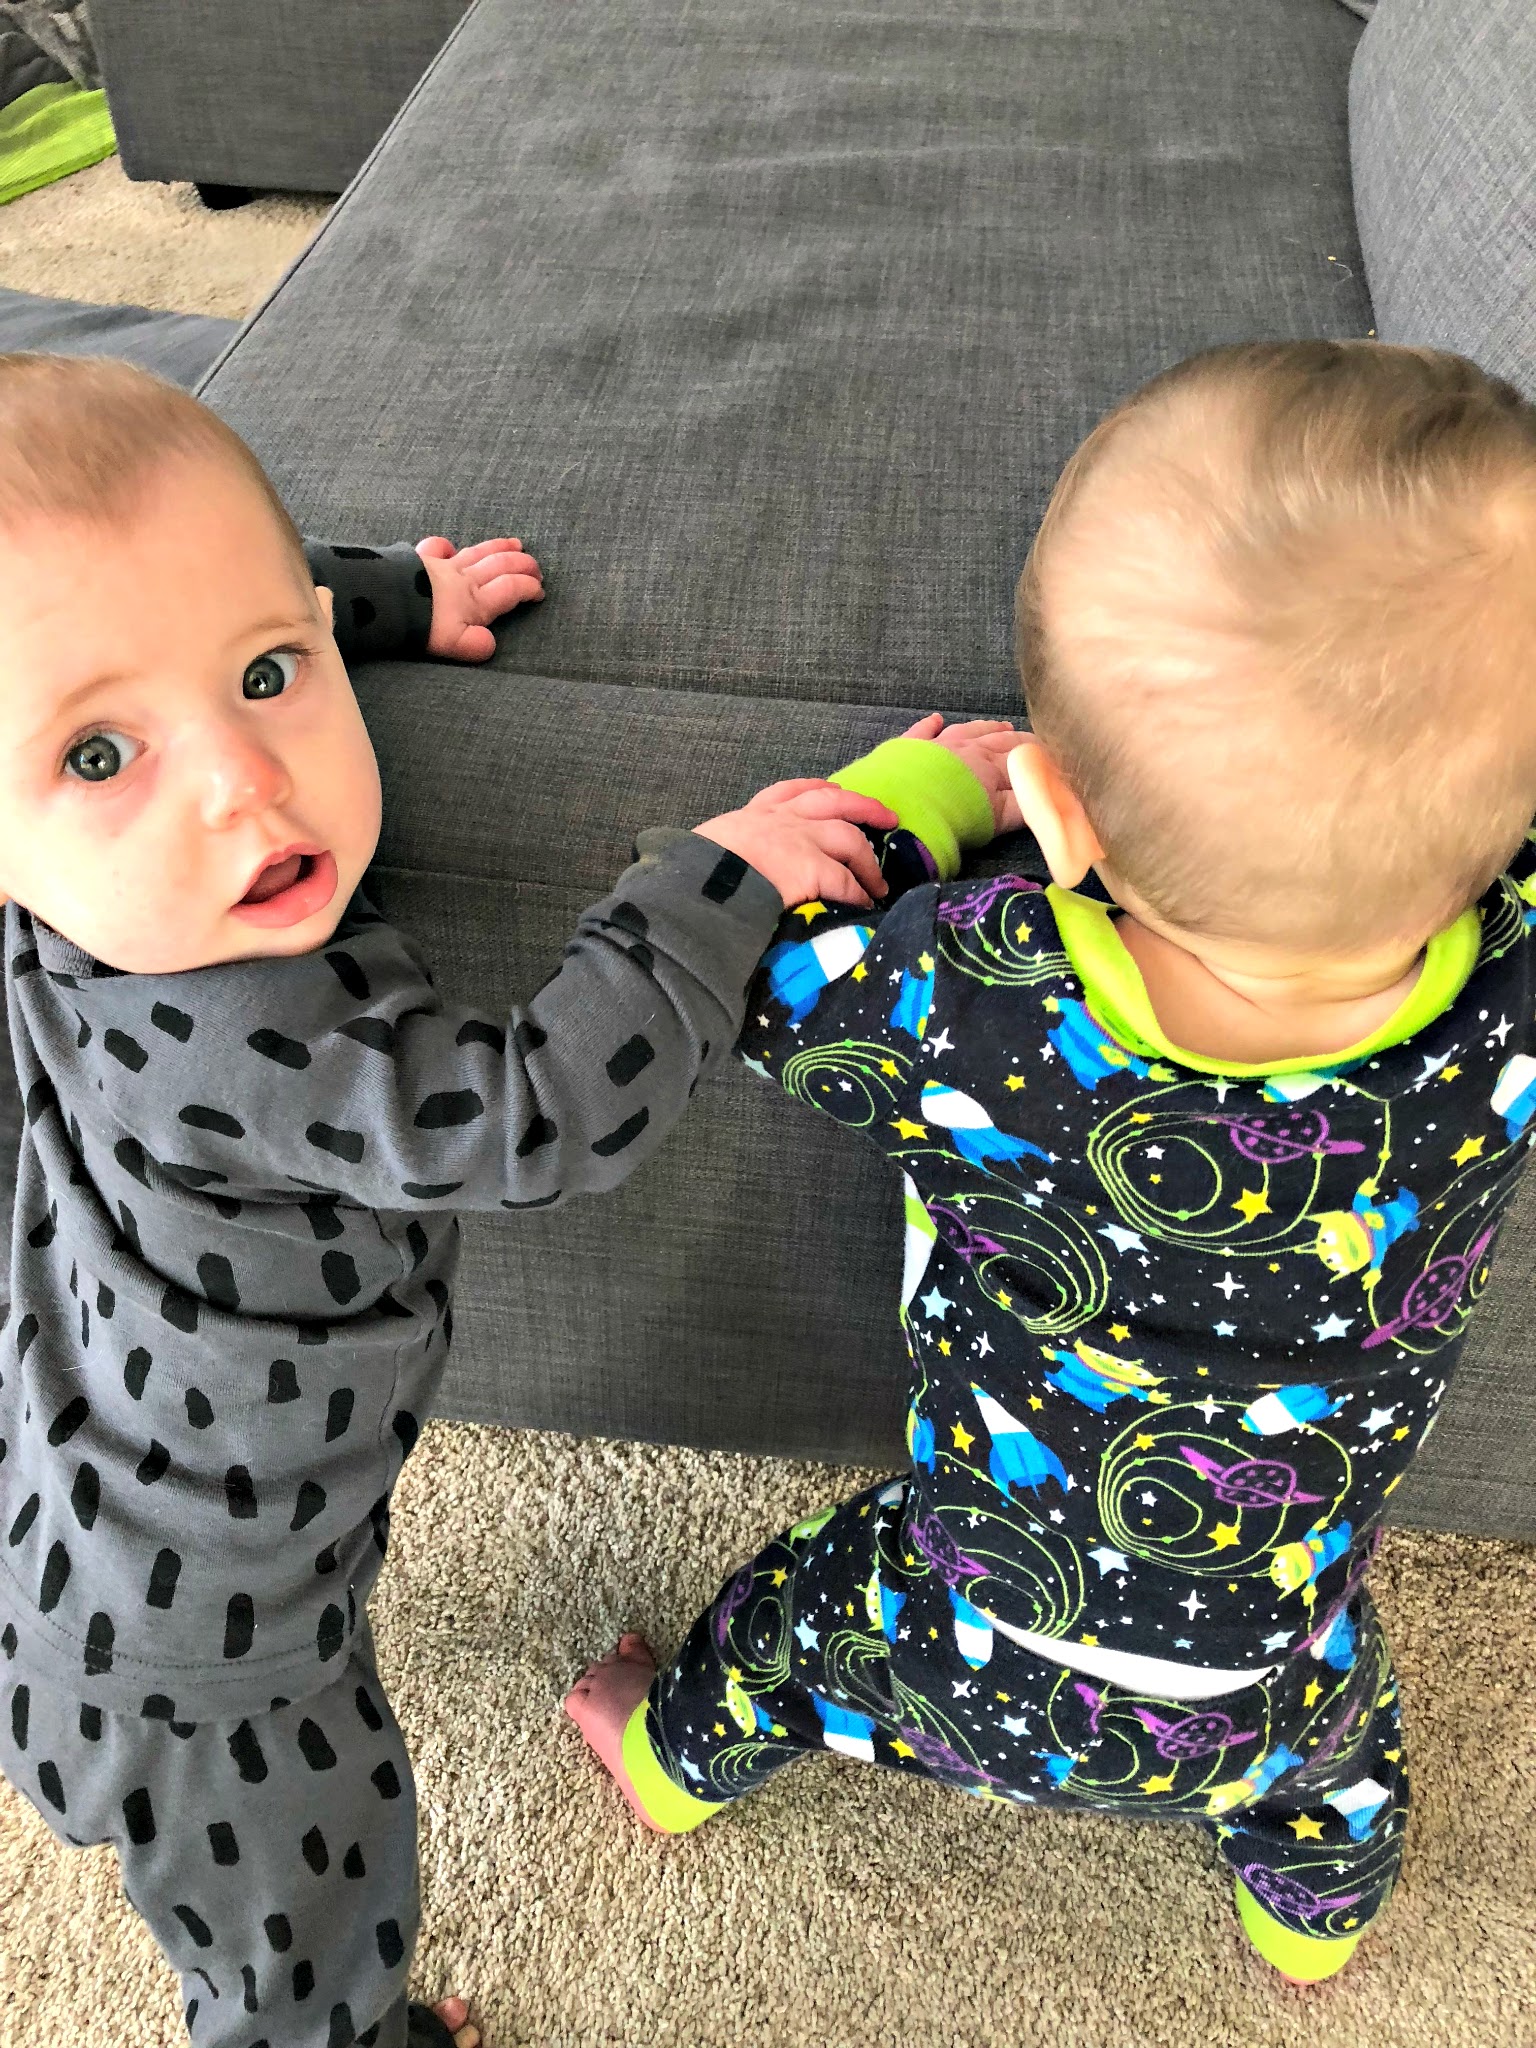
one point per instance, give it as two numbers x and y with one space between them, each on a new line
1298 1955
673 1810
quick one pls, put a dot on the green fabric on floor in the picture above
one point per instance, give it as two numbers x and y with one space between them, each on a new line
47 133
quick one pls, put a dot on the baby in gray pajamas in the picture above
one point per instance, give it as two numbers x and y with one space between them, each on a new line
249 1123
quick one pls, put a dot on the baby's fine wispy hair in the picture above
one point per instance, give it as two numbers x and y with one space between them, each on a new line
1277 629
84 437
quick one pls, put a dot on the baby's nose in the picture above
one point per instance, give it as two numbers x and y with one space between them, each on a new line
239 778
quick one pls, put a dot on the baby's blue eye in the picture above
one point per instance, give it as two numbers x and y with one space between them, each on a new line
99 756
267 677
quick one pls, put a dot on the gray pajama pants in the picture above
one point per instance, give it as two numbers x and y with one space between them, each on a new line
273 1858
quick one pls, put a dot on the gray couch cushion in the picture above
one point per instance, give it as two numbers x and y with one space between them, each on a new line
180 346
771 327
285 95
1443 124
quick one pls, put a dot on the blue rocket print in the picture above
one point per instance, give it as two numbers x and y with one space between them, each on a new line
1288 1408
1359 1803
1088 1049
972 1132
973 1631
1018 1457
1514 1094
798 970
843 1730
915 1000
920 1439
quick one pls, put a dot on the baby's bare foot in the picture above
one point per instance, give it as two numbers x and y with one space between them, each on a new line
601 1703
454 2014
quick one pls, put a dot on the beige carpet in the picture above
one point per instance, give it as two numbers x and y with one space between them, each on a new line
841 1908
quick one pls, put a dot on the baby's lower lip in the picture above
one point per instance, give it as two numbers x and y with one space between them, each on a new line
313 889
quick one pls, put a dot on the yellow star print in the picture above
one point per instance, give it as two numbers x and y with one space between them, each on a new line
889 1067
944 1347
925 962
719 1728
962 1436
810 911
1035 1401
1313 1693
1252 1204
1224 1535
1145 1442
1119 1332
860 973
905 1128
1307 1829
1163 1784
1470 1148
1449 1073
903 1749
779 1577
1015 1082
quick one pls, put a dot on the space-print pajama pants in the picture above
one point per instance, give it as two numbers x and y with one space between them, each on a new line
273 1858
817 1644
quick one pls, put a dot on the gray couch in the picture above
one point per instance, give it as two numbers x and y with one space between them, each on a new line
769 328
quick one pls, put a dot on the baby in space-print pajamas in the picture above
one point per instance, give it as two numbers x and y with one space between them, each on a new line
234 1243
1177 1328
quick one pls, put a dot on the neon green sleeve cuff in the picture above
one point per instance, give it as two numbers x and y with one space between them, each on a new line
932 792
670 1808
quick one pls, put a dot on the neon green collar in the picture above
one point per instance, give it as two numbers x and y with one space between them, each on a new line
1113 985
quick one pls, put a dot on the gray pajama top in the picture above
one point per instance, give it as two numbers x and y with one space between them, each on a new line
235 1240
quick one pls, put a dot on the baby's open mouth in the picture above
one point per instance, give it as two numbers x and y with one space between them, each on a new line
281 875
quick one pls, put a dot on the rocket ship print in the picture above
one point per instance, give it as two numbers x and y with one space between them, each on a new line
915 1000
1254 1782
841 1729
973 1631
1288 1408
799 969
1018 1456
922 1234
1514 1094
974 1135
1091 1051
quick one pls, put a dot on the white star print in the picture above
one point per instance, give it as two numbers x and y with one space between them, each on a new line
1431 1068
1207 1407
1193 1605
1225 1329
984 1346
1501 1030
961 1688
1379 1418
943 1043
1154 1151
1336 1326
1109 1560
807 1636
1016 1724
936 1303
1228 1286
1277 1641
1046 1187
1123 1240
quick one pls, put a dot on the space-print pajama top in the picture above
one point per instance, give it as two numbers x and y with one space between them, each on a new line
235 1240
1177 1326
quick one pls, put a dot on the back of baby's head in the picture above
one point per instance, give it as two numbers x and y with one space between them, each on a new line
1277 630
85 437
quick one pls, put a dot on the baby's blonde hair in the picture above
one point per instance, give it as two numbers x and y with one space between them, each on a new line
86 436
1277 630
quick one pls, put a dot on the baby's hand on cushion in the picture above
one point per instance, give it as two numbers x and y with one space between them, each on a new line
804 837
984 745
472 586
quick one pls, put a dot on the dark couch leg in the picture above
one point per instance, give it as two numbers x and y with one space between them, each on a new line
218 198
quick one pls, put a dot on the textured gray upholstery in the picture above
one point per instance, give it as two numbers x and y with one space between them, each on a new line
1443 120
769 329
283 95
180 346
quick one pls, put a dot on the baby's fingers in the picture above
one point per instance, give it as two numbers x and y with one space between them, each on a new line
846 843
834 884
502 593
926 728
469 556
825 800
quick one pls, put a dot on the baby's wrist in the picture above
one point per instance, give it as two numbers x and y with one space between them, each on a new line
934 794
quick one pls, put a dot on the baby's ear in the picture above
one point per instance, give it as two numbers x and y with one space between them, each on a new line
1052 812
327 604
